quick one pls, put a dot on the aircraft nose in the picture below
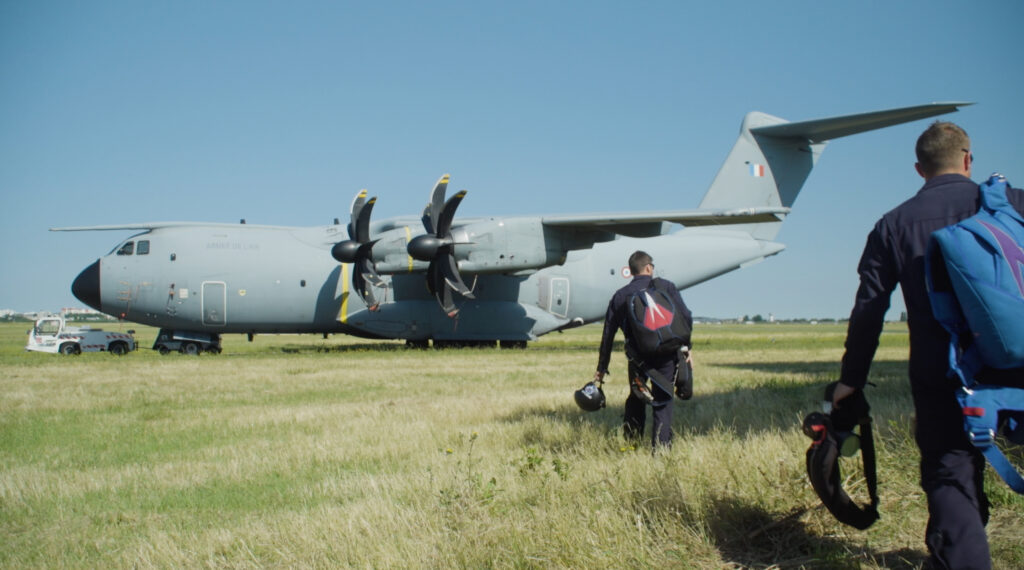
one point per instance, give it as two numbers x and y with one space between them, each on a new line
86 287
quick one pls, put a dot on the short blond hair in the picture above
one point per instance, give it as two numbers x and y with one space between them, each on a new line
940 147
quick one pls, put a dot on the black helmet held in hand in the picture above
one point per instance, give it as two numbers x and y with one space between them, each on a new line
590 397
832 434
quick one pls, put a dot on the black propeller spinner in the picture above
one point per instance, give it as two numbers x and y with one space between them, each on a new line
358 250
437 247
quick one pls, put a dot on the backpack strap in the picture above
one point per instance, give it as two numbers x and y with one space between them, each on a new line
963 363
993 197
660 285
981 404
867 451
656 377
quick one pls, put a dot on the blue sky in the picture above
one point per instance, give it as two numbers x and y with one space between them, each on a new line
117 112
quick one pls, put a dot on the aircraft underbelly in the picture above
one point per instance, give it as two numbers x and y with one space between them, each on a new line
420 320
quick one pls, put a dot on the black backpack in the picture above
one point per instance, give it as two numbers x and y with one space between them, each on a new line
656 324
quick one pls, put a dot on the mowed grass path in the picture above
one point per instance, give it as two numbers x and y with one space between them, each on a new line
295 451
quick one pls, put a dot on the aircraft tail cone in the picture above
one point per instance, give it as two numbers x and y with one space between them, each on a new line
86 287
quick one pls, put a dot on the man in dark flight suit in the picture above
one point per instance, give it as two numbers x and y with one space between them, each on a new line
642 268
951 469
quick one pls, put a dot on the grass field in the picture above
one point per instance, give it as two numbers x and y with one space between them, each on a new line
294 451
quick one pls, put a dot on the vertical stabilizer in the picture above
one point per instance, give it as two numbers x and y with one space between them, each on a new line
772 158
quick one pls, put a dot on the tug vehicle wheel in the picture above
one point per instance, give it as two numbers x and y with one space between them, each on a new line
70 349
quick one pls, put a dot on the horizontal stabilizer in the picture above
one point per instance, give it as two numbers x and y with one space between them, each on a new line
820 130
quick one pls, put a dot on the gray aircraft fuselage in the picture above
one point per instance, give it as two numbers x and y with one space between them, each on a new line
259 279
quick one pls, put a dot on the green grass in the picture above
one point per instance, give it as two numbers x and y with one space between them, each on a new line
302 452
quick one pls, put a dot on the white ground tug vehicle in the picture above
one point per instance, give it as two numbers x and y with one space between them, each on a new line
51 334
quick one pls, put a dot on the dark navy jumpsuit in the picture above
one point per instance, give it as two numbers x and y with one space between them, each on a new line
951 469
635 415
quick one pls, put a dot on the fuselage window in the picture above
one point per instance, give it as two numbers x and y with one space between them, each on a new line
127 249
143 248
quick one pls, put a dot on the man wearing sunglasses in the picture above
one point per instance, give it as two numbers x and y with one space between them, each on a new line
951 469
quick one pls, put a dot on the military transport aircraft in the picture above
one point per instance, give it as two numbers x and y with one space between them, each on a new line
454 281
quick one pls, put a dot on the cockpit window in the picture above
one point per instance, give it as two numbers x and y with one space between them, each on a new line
143 248
127 249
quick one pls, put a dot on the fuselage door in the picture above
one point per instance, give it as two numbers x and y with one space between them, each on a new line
214 303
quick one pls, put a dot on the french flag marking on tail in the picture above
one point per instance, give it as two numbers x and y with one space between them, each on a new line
757 170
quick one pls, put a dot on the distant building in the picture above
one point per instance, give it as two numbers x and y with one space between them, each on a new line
70 313
74 313
36 315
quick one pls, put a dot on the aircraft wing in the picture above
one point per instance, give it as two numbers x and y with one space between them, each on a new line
647 224
153 226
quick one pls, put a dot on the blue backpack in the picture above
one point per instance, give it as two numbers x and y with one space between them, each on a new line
974 271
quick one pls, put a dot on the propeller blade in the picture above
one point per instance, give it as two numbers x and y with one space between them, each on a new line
448 303
436 246
438 287
357 206
362 221
367 268
358 250
433 210
364 292
348 251
444 221
452 277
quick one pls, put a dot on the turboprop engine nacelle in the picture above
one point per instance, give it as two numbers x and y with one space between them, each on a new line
508 246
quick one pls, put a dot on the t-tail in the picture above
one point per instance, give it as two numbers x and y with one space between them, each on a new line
772 157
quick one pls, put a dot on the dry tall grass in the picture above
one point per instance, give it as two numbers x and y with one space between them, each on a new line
299 452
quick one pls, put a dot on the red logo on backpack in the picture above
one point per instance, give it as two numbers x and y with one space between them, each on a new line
656 316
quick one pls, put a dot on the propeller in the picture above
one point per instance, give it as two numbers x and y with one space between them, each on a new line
358 250
438 247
